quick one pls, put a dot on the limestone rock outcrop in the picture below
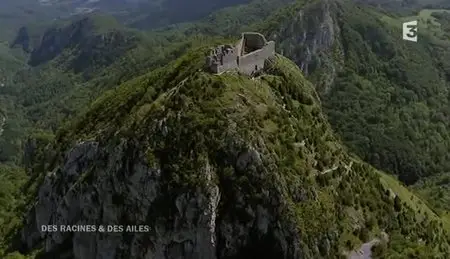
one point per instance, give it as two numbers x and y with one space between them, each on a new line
113 185
311 39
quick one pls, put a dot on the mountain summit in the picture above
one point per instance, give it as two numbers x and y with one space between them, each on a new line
202 147
211 166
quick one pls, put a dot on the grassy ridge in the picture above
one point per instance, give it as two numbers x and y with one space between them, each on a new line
435 190
278 114
64 83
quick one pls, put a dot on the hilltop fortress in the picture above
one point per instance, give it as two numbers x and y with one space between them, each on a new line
247 56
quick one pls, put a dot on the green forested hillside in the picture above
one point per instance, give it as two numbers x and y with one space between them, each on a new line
74 59
385 98
68 68
14 14
436 191
263 143
11 180
394 111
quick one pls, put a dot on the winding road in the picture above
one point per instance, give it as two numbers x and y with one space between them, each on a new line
365 251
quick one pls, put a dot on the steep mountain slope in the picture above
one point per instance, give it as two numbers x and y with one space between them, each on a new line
166 145
81 37
14 14
436 191
388 98
217 166
74 60
11 179
401 100
70 63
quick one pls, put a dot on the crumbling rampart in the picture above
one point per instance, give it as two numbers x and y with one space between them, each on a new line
247 56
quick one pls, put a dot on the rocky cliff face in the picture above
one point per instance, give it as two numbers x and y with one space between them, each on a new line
83 44
310 36
2 123
22 40
122 189
115 186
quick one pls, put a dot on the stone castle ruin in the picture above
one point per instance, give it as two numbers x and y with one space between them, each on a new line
247 56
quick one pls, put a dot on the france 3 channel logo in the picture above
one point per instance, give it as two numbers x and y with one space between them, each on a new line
410 30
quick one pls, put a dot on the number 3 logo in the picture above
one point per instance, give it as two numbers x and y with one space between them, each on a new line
410 31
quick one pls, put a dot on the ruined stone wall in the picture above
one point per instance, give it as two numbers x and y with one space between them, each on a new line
248 55
254 61
229 61
222 58
253 41
213 67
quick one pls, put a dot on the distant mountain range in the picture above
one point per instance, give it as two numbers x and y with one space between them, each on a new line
142 14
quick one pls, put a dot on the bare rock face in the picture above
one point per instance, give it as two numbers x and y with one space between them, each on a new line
113 185
95 187
311 39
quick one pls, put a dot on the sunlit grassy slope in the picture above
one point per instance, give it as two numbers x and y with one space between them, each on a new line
436 191
406 195
428 25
